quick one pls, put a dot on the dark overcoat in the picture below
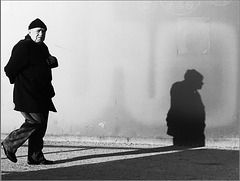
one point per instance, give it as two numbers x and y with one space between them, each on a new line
31 75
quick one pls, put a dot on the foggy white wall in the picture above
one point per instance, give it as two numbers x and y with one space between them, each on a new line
118 60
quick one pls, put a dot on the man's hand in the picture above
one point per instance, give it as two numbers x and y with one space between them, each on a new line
52 61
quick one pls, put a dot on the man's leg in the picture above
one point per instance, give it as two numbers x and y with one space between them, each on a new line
35 141
17 137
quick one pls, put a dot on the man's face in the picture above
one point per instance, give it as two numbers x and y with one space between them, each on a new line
37 34
198 84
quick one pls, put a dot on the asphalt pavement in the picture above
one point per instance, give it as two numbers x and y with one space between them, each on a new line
124 159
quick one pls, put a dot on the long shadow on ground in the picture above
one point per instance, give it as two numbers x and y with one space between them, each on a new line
183 164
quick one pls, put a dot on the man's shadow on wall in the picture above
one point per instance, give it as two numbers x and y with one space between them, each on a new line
186 117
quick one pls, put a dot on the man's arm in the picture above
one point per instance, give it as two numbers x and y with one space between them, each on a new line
52 61
17 62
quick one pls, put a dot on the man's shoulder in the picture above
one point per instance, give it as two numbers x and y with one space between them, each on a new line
23 43
177 84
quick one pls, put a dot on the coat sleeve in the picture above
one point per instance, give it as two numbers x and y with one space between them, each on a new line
52 61
17 62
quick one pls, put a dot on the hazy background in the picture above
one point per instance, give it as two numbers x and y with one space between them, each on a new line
118 60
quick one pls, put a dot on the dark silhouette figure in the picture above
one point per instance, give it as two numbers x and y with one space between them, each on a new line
186 117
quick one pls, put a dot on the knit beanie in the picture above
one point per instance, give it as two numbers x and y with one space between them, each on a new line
37 23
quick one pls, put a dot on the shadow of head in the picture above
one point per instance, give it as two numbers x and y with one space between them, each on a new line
194 79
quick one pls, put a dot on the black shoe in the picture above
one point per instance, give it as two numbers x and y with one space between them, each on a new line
42 162
11 156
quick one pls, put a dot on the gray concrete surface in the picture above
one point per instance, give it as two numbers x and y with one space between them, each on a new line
98 158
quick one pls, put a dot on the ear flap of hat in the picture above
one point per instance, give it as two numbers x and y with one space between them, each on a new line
37 23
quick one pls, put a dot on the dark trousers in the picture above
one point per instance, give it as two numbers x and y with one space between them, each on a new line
33 129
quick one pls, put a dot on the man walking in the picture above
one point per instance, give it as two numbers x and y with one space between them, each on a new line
29 69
